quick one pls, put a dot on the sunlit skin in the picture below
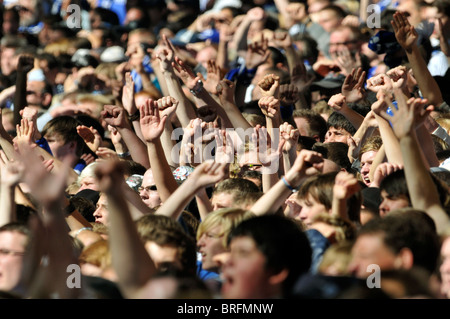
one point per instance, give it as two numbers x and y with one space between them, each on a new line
390 203
336 135
209 245
11 263
366 162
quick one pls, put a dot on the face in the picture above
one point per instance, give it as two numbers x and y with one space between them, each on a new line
101 212
445 268
336 135
366 162
245 275
370 249
389 203
148 192
342 39
328 20
35 95
89 182
221 200
60 149
209 245
10 23
12 248
310 209
163 255
8 62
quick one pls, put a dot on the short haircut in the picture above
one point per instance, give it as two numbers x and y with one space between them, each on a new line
235 186
228 218
408 228
373 143
335 152
283 244
66 127
320 187
338 11
339 121
18 227
317 124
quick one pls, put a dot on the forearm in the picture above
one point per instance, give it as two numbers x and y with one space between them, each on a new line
175 205
380 157
7 204
352 116
148 85
426 142
422 191
272 200
168 144
135 204
185 112
203 204
390 141
136 147
339 208
162 173
427 84
20 97
130 260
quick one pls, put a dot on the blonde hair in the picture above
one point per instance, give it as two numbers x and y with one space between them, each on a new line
228 218
336 259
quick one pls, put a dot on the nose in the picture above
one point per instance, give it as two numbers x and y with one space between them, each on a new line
384 208
201 241
97 213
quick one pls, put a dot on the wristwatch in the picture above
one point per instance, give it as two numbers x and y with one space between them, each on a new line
197 88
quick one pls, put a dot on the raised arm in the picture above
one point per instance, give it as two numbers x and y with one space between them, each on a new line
422 190
407 37
130 260
116 117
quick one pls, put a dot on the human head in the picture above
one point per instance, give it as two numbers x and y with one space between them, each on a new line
14 238
330 17
62 137
148 192
339 128
87 178
310 123
39 94
267 255
171 249
401 240
101 213
367 155
212 233
335 152
224 193
316 197
346 37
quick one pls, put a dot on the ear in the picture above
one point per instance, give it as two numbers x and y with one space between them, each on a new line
404 259
279 277
46 99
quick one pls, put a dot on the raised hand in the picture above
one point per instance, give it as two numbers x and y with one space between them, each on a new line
105 153
300 78
110 177
380 104
353 87
346 61
225 90
338 102
288 94
345 185
383 170
90 136
269 106
213 77
405 33
269 85
25 63
152 125
409 114
128 101
290 136
257 53
398 76
25 133
209 173
11 172
115 116
185 74
167 106
224 147
308 163
380 82
282 39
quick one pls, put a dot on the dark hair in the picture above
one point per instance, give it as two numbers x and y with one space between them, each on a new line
66 126
309 50
395 185
335 152
317 124
338 120
107 16
19 227
281 241
338 11
408 228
